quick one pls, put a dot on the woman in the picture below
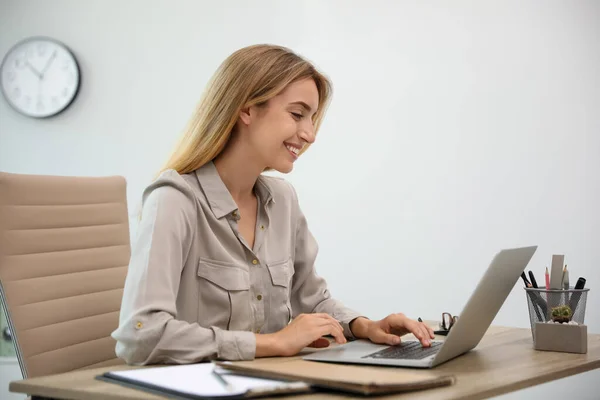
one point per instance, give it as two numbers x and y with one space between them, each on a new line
223 265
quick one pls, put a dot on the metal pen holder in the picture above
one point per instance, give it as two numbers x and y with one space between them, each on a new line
557 318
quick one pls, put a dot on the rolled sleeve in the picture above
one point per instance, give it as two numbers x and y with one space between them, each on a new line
309 290
149 331
235 345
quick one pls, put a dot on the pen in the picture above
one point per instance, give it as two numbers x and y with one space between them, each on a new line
547 279
566 278
541 302
575 298
535 300
533 281
223 381
527 284
566 284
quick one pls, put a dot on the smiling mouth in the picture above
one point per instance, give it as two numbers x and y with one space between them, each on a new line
293 150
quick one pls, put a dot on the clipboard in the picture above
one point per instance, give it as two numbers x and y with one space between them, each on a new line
198 382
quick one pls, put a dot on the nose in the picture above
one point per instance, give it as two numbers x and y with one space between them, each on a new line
307 134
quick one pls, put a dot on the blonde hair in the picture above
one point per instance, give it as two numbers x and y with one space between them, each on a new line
250 76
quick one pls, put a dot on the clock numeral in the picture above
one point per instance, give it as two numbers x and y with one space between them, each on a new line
65 92
41 48
71 79
10 75
16 92
54 101
40 105
19 63
27 100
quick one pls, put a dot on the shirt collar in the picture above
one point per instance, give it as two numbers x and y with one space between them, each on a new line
264 191
218 195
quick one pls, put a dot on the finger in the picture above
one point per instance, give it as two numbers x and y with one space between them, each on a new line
426 336
329 318
332 322
427 333
320 343
333 330
421 333
330 328
381 337
430 331
340 338
391 339
415 329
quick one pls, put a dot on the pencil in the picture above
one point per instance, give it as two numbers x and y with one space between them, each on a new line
226 384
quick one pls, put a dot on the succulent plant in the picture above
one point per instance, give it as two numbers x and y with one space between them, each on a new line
561 314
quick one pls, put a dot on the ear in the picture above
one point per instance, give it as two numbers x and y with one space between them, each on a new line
245 115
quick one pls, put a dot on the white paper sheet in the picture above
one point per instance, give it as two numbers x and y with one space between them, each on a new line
199 380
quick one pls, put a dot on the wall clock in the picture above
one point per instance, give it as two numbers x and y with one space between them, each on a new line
39 77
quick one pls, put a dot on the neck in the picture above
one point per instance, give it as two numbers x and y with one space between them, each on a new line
238 171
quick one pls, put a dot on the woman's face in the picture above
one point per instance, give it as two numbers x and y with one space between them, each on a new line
278 130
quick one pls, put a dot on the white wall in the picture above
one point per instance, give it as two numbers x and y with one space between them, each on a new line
457 129
9 371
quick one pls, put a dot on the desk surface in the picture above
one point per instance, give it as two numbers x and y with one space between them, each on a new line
504 361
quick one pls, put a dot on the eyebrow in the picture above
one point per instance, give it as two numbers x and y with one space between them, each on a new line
303 104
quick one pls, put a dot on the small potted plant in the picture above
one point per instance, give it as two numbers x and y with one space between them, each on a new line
562 314
559 333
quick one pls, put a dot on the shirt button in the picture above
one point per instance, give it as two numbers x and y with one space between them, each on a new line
234 213
139 325
262 227
258 331
255 261
259 297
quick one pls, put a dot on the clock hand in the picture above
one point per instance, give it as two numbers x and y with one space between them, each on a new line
48 63
36 73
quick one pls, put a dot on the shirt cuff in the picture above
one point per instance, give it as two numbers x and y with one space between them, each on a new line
345 321
235 345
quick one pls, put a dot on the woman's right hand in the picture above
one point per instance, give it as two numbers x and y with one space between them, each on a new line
305 330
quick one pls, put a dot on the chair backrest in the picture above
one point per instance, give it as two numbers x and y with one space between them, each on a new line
64 252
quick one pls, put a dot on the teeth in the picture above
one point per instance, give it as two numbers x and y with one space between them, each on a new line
293 149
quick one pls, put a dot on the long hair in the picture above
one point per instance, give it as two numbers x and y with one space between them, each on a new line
250 76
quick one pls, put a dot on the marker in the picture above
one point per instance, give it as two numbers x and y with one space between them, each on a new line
533 281
547 279
575 298
535 298
524 277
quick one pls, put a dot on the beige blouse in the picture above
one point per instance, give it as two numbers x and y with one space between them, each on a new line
196 291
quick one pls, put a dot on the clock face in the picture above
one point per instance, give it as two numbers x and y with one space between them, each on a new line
39 77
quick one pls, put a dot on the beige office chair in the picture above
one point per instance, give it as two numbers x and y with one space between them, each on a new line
64 251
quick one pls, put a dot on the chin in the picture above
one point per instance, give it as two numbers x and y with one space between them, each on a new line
284 168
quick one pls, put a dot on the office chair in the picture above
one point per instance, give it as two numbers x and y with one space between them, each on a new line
64 252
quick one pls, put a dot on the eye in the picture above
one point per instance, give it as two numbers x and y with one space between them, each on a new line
296 116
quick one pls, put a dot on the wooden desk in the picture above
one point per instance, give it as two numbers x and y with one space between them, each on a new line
504 361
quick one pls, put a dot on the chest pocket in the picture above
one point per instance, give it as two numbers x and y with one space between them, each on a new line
281 277
223 295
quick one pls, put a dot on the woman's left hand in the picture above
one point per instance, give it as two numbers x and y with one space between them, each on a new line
389 329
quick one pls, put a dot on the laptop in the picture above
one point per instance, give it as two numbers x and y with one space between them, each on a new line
474 320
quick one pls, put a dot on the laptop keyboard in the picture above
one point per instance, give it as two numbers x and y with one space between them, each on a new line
406 351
